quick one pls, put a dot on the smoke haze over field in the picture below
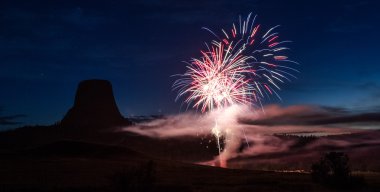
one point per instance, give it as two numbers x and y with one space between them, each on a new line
255 130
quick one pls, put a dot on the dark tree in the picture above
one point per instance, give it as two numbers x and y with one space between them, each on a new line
333 170
333 166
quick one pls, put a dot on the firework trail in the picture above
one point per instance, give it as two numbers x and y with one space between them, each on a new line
242 66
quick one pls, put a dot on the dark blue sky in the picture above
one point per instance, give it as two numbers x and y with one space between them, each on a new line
47 47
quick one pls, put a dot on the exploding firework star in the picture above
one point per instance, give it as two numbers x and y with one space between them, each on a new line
242 66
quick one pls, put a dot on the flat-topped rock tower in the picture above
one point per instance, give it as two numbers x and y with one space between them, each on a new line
94 107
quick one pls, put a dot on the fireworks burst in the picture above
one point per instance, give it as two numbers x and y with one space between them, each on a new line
218 79
242 66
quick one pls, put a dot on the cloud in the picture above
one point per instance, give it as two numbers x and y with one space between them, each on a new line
370 101
309 115
10 120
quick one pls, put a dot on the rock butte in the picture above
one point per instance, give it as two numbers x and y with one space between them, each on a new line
94 107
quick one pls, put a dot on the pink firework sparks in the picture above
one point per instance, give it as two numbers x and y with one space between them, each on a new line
216 80
240 67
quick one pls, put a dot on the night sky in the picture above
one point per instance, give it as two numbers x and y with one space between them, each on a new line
48 47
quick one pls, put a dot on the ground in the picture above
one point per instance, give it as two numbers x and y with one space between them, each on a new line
82 166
